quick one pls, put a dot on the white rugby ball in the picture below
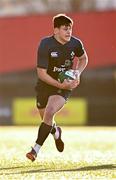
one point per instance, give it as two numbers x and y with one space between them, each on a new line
69 75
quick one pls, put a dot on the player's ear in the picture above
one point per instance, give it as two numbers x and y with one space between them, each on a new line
56 30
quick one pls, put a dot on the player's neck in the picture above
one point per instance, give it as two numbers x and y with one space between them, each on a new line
60 40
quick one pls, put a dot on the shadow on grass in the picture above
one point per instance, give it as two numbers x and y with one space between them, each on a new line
86 168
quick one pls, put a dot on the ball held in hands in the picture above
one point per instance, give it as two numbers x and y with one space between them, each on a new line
69 75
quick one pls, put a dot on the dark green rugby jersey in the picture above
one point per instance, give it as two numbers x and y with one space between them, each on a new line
56 57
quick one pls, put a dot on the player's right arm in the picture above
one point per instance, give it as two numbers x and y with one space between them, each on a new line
42 66
45 77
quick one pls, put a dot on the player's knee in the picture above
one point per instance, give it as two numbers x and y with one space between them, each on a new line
50 111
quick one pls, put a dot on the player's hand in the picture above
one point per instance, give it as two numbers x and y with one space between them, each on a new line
70 84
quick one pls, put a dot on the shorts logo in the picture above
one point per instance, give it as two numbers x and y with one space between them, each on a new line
59 91
38 104
54 54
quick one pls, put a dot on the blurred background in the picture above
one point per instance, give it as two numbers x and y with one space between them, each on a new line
22 25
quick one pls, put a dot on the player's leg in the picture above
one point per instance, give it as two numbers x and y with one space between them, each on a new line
56 132
35 149
55 103
41 102
41 112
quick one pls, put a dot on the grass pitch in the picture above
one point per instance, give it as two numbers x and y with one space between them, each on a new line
90 153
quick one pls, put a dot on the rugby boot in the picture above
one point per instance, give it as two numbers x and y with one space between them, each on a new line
31 155
59 143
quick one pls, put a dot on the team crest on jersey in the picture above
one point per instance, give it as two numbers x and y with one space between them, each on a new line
54 54
72 54
68 63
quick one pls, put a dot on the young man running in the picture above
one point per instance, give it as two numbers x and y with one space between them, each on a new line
55 54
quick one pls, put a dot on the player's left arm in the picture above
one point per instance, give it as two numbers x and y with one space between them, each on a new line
82 62
81 65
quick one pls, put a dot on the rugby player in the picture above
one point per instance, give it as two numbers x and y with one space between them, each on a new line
55 54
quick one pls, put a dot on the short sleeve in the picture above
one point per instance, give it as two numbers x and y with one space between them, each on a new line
42 55
79 49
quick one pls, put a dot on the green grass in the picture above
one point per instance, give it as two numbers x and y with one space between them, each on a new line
90 153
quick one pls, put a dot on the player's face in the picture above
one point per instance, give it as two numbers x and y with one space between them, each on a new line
64 33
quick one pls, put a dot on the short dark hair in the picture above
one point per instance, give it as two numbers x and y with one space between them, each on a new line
62 19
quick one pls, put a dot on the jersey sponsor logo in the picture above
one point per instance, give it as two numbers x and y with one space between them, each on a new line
62 65
61 69
54 54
